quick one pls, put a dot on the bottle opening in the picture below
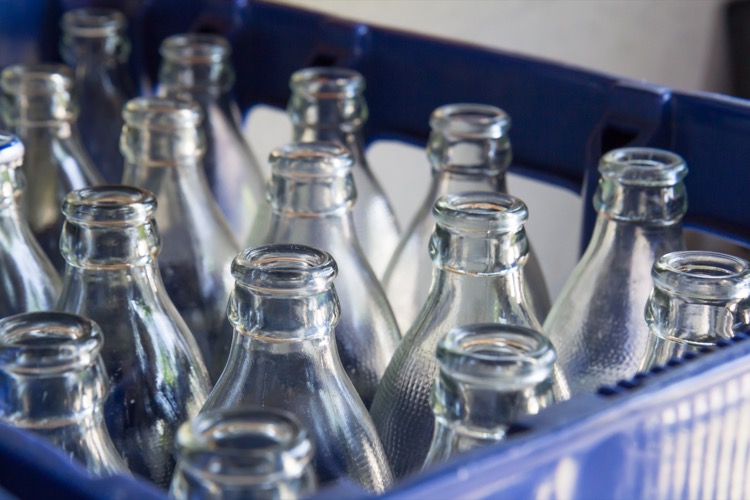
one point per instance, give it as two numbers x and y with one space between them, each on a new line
109 204
643 167
328 82
196 48
155 113
43 342
710 275
93 23
311 159
474 121
481 211
11 150
38 79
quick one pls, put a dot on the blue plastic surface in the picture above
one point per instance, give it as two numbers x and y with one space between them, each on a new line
640 440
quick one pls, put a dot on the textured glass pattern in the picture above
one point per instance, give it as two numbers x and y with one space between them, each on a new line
284 309
469 150
597 322
157 377
327 104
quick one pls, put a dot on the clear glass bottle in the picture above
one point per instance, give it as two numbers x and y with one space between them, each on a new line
28 280
157 378
54 385
95 44
699 298
243 453
490 376
39 109
197 66
479 250
469 150
311 195
284 308
327 104
163 148
597 322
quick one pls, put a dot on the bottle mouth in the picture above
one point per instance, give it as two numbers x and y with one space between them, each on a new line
162 114
481 212
284 270
470 121
109 205
36 79
47 342
327 82
488 353
196 48
703 275
311 159
93 23
11 150
643 167
251 444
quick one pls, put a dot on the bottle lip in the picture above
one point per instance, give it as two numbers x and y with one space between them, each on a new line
36 79
327 82
488 353
48 342
162 114
639 166
93 22
471 121
195 48
11 150
480 212
107 205
311 159
284 270
263 444
703 275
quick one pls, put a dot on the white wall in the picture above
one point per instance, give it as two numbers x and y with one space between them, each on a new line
679 43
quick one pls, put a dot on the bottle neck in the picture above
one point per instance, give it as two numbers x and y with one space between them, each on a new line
109 247
312 196
640 204
203 82
95 53
152 147
477 253
448 181
55 111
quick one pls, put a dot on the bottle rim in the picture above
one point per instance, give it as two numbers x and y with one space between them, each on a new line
48 342
93 22
311 159
196 48
11 150
162 114
112 204
639 166
327 82
471 121
284 270
36 79
703 275
480 212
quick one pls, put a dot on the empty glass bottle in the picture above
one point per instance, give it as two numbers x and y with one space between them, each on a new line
39 108
327 104
54 384
597 322
157 378
469 150
95 44
479 250
163 148
243 453
198 66
490 376
28 282
284 309
311 195
699 298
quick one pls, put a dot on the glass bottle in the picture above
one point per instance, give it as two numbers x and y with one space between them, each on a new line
243 453
39 109
699 298
29 282
157 377
197 66
327 104
311 195
284 308
94 43
54 384
163 148
469 150
479 250
597 322
490 376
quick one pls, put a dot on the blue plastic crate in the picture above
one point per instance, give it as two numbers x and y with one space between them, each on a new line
681 432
